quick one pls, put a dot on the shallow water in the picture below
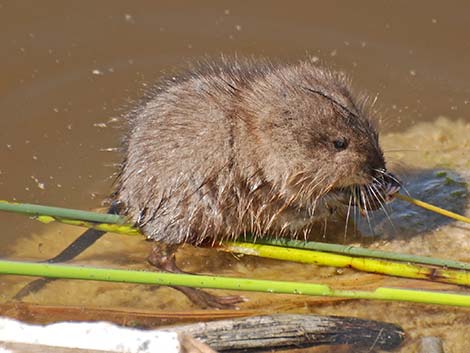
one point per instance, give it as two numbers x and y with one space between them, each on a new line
69 70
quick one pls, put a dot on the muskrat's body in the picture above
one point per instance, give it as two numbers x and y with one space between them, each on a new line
246 147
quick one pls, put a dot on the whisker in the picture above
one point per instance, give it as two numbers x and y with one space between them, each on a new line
324 229
402 150
391 176
373 188
313 208
366 203
388 175
349 212
358 209
378 183
383 204
387 214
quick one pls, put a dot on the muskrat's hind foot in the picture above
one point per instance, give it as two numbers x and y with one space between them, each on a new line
162 257
208 301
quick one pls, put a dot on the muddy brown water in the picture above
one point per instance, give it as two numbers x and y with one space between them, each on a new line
70 70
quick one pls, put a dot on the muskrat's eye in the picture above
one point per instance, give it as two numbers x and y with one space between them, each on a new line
340 144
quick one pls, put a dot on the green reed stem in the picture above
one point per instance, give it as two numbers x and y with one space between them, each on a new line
238 284
117 224
66 213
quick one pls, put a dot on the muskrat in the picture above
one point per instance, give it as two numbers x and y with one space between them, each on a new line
248 147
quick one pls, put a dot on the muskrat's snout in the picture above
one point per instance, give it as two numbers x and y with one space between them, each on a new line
391 185
375 195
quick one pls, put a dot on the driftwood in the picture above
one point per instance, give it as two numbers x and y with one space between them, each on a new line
265 333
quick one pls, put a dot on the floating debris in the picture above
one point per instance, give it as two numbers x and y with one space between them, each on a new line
39 184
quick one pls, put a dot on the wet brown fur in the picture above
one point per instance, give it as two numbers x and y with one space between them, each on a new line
245 146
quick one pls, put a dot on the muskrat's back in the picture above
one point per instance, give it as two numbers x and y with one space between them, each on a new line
177 180
244 147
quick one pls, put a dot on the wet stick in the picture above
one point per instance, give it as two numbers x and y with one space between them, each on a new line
272 333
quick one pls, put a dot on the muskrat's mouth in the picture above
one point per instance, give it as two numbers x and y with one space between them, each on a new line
375 195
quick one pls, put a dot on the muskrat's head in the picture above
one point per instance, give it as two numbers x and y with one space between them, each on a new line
317 139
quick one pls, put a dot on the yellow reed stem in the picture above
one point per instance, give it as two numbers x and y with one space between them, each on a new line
390 268
433 208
